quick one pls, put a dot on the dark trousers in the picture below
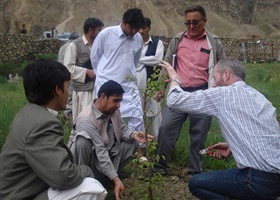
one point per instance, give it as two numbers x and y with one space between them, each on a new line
170 129
244 184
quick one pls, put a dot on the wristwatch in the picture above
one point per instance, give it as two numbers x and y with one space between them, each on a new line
177 80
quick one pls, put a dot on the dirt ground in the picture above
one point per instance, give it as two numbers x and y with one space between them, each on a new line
174 186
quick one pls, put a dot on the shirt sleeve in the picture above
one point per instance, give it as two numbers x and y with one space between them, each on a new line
201 101
49 157
77 73
105 164
170 51
137 56
127 134
96 51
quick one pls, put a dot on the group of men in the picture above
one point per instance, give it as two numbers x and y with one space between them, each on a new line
108 115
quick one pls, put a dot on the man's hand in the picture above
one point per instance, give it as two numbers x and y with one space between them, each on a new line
159 95
140 137
119 188
223 150
170 70
171 74
90 74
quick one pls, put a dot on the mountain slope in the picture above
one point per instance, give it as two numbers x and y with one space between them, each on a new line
226 18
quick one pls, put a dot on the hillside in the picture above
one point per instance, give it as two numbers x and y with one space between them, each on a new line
226 18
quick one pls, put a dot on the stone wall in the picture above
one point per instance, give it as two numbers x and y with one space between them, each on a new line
258 50
18 48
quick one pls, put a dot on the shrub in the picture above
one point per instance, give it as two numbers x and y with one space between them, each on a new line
17 68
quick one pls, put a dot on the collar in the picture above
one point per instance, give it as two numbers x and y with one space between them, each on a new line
54 112
85 40
202 36
96 112
120 31
149 40
238 83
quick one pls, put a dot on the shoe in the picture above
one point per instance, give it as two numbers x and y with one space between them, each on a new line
159 170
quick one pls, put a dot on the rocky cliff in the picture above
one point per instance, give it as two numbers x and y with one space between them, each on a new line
226 18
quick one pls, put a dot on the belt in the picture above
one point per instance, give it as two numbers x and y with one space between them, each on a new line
192 89
263 174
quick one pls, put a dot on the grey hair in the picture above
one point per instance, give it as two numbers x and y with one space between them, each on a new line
74 35
233 65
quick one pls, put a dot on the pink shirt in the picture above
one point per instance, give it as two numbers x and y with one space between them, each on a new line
192 61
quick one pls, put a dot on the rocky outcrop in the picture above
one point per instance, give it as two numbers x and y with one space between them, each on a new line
226 18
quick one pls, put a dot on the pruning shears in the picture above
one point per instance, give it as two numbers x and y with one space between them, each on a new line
209 150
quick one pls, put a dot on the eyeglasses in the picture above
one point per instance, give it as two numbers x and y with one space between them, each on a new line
193 22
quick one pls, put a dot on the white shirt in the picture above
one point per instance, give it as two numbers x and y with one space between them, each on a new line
246 118
54 112
153 59
78 73
152 107
114 56
61 52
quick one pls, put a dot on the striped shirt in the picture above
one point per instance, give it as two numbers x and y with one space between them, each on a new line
247 120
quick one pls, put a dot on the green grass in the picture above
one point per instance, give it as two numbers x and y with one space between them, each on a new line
264 77
11 100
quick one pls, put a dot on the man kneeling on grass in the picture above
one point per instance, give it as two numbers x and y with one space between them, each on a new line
101 139
248 125
35 161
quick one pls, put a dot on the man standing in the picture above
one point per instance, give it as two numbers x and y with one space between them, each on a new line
152 54
23 29
54 32
77 62
60 58
193 54
249 126
62 49
101 138
115 56
35 161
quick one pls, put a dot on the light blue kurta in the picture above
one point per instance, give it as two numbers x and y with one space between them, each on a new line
114 56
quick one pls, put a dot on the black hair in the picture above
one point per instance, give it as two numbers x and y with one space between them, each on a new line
147 22
92 23
40 79
110 88
195 8
134 17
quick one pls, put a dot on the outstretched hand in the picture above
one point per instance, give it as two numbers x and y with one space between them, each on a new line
170 70
140 137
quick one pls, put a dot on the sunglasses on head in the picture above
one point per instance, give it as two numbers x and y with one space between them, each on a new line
193 22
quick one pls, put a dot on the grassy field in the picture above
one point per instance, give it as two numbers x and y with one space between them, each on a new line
264 77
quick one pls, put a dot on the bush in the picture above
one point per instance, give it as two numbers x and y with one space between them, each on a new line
16 68
51 56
